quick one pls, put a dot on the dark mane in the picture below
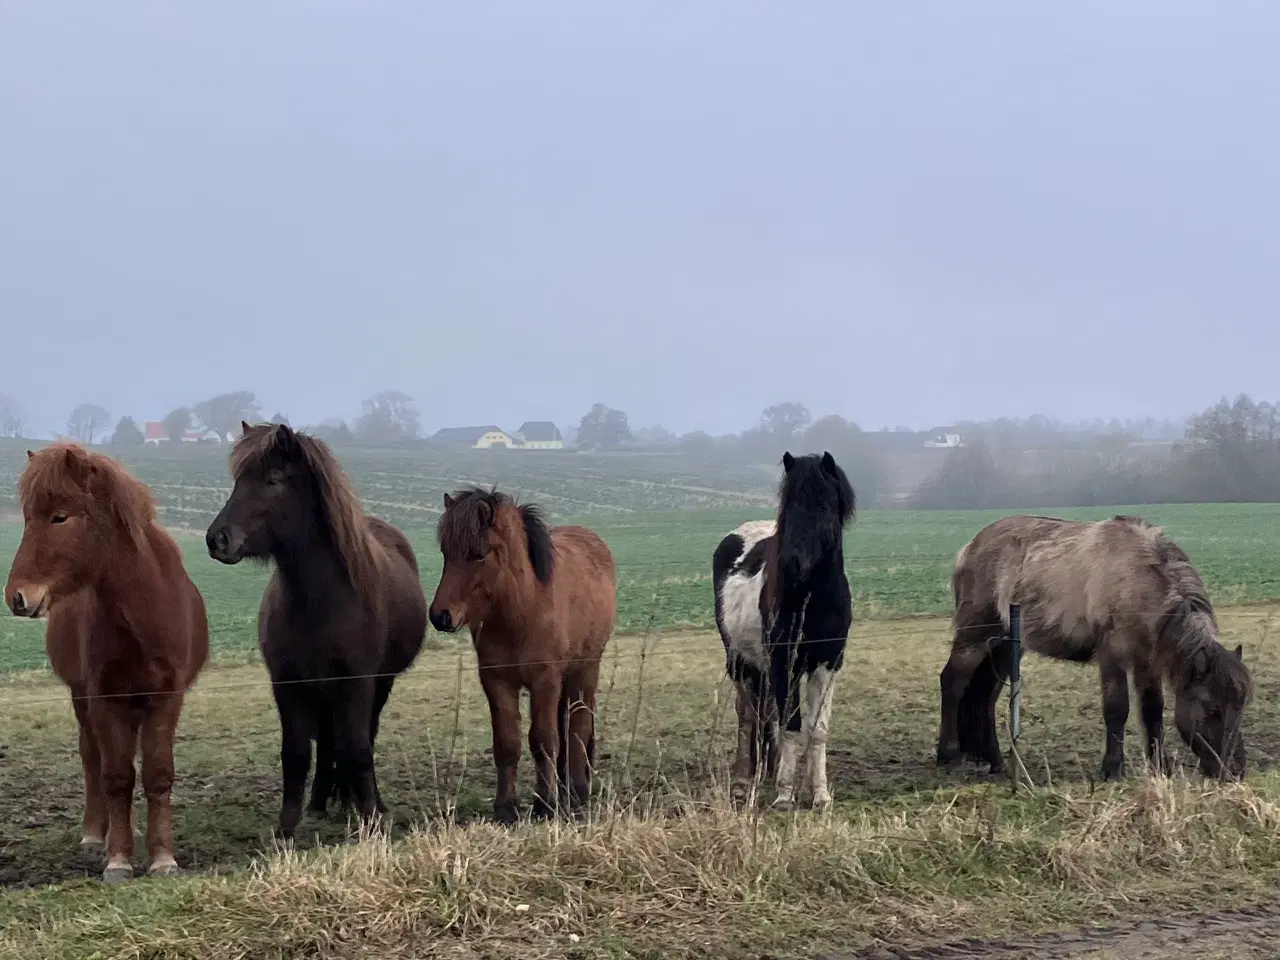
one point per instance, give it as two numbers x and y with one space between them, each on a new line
360 553
807 487
107 492
464 527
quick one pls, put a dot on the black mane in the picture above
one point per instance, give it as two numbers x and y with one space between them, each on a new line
464 526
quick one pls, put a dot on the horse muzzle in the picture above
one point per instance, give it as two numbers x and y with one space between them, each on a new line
443 620
29 600
225 544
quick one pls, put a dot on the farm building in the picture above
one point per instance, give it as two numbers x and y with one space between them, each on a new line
153 432
540 435
477 438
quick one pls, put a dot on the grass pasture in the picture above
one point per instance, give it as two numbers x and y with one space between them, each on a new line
660 867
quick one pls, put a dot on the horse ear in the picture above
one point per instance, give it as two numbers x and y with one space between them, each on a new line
788 461
244 427
448 501
828 462
31 455
1239 651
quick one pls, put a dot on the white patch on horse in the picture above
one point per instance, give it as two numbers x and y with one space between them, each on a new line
740 599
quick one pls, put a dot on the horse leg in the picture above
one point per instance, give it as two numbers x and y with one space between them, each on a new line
93 835
381 693
353 746
745 760
504 716
1151 705
323 786
967 655
819 693
295 705
563 713
581 734
786 690
1115 713
159 727
544 739
116 735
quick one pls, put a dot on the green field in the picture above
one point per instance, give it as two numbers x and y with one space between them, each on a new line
899 564
661 869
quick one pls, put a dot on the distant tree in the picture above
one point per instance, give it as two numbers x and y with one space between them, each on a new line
333 432
603 427
86 422
697 444
127 434
10 416
783 421
968 479
176 423
222 414
389 417
279 418
657 435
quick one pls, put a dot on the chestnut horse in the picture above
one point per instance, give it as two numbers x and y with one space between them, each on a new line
343 614
540 603
126 632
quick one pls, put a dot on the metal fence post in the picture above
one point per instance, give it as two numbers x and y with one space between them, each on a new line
1015 671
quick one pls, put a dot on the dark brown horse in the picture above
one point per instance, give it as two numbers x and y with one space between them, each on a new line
343 614
540 604
126 632
1117 592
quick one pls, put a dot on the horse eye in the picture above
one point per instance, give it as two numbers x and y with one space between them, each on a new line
59 518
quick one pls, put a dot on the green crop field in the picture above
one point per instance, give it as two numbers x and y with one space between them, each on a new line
662 868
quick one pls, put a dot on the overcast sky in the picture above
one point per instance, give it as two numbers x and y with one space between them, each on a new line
903 213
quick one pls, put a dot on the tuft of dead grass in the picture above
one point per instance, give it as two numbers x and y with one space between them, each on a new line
692 878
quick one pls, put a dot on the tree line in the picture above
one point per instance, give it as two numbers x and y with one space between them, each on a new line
1227 453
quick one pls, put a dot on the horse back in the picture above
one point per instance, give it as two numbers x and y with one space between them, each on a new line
584 584
406 603
189 628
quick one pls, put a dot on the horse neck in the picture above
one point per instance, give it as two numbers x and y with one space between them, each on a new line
128 583
517 593
311 568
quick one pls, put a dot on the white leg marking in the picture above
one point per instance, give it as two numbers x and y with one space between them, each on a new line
163 865
93 843
790 753
819 692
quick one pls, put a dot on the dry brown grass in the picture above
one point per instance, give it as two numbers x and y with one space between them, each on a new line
694 879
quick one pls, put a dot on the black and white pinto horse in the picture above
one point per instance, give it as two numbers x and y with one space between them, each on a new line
784 610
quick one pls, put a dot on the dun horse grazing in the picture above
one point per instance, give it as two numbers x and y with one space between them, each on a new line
126 632
784 610
1116 592
343 614
540 604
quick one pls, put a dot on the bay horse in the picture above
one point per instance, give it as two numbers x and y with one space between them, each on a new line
126 632
783 608
1116 592
540 604
342 616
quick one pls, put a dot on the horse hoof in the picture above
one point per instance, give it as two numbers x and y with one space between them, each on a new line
119 873
283 836
506 814
822 801
93 844
784 805
382 808
163 867
542 810
947 756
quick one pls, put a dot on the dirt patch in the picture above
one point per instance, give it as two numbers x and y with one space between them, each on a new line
1243 934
